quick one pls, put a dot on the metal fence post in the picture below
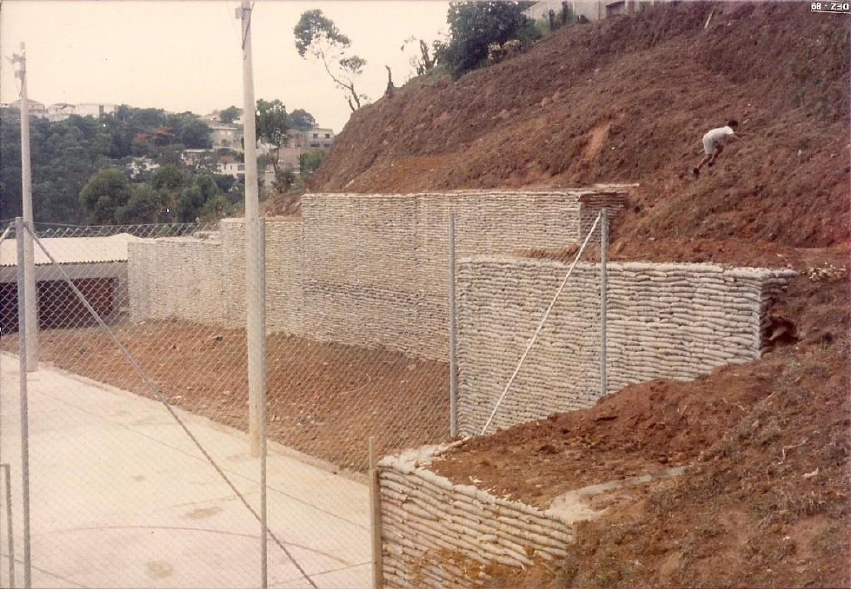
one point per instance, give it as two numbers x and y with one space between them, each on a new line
604 261
22 357
375 519
7 473
453 369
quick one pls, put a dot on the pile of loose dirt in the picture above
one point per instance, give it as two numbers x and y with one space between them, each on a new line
628 99
323 399
765 500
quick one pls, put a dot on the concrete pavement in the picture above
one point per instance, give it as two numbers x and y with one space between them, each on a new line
120 497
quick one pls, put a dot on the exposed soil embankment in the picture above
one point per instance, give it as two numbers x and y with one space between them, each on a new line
628 100
764 501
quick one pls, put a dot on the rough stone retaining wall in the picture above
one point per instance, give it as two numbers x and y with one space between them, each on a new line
360 269
380 262
284 267
425 517
673 321
178 277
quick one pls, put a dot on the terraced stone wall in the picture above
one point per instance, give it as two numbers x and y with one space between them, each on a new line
673 321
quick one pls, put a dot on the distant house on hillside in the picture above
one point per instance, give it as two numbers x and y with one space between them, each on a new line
216 117
300 142
225 135
91 109
59 111
590 9
230 136
36 108
235 169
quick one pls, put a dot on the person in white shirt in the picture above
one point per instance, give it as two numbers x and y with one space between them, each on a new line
712 143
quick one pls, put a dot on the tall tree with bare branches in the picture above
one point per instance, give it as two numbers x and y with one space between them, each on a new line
317 35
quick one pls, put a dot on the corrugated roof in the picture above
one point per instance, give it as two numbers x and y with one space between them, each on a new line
73 250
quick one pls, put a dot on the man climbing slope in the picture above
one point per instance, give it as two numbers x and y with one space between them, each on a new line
713 143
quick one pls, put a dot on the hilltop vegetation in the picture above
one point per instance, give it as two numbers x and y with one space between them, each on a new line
66 154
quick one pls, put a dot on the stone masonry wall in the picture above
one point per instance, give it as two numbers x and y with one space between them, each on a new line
176 277
376 266
361 269
425 516
673 321
284 267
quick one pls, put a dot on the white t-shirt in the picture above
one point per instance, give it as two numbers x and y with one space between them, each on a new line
715 135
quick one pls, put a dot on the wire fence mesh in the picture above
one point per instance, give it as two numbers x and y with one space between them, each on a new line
127 489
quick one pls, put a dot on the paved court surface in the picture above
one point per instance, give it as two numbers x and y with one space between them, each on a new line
120 497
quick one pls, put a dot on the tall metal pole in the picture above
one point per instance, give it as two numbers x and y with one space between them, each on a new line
453 368
25 436
31 304
254 295
604 261
255 268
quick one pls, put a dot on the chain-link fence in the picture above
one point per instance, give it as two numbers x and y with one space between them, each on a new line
117 479
136 465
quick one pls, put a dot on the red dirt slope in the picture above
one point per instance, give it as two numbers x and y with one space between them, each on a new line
628 99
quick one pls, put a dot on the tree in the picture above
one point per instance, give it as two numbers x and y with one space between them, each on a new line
230 114
284 180
104 194
423 62
272 125
302 120
216 208
145 206
168 178
318 35
168 181
473 26
310 161
188 128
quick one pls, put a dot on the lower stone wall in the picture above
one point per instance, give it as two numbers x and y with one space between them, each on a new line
674 321
426 519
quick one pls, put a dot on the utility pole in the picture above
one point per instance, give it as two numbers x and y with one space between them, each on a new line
255 282
31 304
254 273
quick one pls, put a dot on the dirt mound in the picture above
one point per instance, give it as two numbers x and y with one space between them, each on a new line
628 99
765 500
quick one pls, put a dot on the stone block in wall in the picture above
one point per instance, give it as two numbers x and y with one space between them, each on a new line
673 321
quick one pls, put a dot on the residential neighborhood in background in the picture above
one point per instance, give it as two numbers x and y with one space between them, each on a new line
157 149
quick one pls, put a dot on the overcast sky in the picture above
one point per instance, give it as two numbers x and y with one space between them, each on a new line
185 55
